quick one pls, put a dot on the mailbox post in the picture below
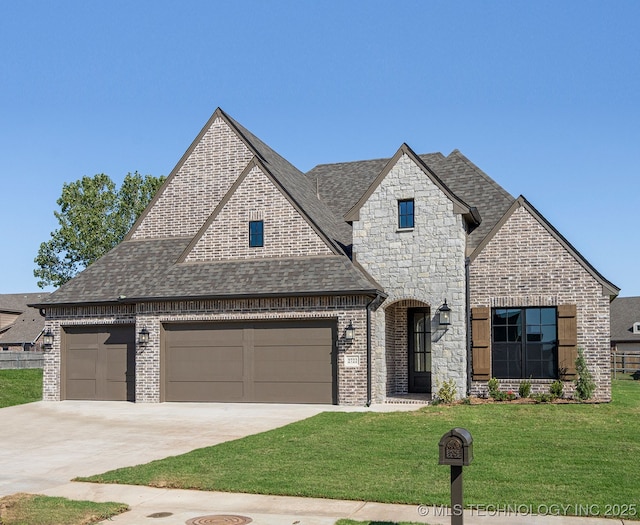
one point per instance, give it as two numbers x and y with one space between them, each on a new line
456 450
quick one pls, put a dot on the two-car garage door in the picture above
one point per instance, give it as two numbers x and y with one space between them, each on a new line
273 362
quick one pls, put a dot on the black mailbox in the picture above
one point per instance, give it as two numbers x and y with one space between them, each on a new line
456 448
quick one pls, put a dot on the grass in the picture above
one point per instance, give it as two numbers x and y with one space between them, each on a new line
20 386
571 454
29 509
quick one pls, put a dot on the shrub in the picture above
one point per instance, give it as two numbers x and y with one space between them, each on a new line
524 390
556 389
542 398
494 388
447 392
585 385
510 396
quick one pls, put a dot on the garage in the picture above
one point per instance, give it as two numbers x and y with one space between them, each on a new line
268 362
100 363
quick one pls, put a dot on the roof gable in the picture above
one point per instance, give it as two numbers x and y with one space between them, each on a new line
608 287
625 312
459 205
257 196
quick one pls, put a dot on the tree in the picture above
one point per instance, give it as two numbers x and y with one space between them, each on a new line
94 217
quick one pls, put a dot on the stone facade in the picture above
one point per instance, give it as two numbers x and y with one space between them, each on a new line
424 265
351 378
286 232
524 265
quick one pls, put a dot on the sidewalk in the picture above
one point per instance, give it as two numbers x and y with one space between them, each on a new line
184 505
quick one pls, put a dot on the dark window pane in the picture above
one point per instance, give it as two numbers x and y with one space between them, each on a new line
548 334
499 317
405 214
500 334
533 316
256 233
514 334
548 316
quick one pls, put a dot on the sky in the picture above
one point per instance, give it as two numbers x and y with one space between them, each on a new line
544 96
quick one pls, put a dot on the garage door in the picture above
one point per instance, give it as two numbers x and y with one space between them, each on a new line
100 363
275 362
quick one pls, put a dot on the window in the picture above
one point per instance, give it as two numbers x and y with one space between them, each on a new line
636 328
405 213
525 343
256 234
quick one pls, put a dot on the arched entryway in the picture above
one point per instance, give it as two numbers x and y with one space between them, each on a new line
408 328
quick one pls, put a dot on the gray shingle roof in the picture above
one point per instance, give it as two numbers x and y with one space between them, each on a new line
299 188
29 324
625 311
146 269
341 185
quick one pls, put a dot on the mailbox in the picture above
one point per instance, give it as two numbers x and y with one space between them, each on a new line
456 448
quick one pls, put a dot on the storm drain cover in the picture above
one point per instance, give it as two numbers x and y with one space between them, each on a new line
220 519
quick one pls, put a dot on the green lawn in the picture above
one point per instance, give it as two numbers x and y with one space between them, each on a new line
30 509
546 454
20 386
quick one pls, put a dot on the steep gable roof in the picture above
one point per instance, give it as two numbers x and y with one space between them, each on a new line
459 205
341 185
608 287
29 324
625 312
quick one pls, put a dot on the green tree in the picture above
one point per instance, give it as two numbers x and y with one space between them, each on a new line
94 217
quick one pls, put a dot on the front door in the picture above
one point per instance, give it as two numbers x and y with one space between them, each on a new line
419 350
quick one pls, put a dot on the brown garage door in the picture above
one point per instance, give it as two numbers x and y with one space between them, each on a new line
274 362
100 363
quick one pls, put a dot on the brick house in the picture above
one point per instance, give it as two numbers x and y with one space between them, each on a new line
248 280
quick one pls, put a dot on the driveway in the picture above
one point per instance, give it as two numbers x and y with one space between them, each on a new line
45 444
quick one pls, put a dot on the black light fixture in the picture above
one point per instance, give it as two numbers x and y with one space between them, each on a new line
47 341
349 332
143 336
445 314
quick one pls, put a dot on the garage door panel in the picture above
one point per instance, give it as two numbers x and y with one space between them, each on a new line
100 362
81 389
293 392
278 361
203 391
83 364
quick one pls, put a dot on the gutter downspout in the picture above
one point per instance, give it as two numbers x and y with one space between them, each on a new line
467 294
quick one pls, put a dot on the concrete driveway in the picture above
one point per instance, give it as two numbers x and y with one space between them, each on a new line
45 444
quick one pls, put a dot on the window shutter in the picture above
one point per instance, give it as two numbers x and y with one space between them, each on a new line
481 342
567 340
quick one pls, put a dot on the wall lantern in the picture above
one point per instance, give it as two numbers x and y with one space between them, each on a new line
445 314
143 337
47 341
349 332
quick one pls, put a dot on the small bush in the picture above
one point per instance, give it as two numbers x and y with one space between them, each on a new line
510 395
556 389
447 392
524 389
494 388
542 398
585 385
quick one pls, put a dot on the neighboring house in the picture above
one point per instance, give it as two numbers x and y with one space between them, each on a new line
625 333
21 326
248 280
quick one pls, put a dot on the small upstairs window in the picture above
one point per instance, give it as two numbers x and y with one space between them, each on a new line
256 234
636 328
405 213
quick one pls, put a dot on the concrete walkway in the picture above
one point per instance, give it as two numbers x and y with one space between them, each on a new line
184 505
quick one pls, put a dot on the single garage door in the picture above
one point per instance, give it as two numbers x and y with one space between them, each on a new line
100 363
270 362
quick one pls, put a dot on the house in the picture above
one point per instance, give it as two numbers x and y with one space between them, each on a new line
21 326
248 280
625 334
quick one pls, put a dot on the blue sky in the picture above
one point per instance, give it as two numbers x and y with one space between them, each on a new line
542 95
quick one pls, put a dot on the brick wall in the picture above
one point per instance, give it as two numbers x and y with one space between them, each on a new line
524 265
286 232
424 264
197 187
351 381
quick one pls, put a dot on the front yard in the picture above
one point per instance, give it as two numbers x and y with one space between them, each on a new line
20 386
540 455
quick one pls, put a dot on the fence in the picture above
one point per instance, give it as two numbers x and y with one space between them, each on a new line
625 363
21 360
